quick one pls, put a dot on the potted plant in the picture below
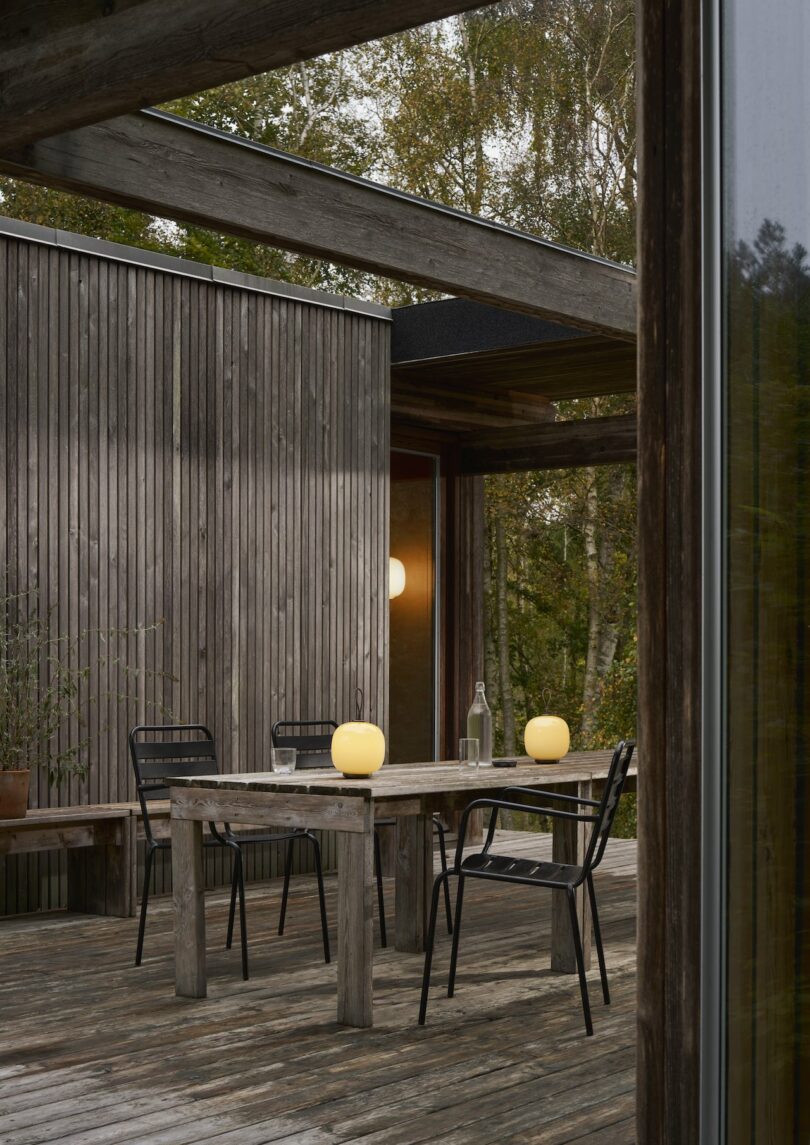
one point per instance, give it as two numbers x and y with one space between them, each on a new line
41 692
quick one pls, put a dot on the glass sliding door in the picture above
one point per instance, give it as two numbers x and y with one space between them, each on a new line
757 700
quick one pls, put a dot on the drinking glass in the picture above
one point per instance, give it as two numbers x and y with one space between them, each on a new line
282 760
468 753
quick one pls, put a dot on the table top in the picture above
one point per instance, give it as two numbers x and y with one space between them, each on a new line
399 781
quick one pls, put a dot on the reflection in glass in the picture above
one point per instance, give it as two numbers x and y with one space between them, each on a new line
767 396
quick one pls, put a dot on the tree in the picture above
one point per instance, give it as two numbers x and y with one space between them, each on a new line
522 112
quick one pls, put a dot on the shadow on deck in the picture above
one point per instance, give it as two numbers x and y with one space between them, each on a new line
93 1051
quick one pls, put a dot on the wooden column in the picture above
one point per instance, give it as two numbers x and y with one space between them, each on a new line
463 642
669 478
463 635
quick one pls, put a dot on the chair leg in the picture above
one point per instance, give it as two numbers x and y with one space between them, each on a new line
242 913
431 936
147 878
285 893
316 848
232 908
583 984
451 982
597 934
443 853
380 895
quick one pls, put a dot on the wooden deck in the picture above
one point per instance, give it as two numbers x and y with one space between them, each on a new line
95 1052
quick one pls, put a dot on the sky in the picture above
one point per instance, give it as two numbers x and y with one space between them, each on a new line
767 117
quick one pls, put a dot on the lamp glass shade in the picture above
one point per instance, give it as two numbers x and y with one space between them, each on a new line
547 738
358 749
396 578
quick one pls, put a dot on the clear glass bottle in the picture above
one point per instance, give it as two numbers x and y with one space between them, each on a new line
479 725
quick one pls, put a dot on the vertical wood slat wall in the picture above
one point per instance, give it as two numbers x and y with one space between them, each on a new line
211 458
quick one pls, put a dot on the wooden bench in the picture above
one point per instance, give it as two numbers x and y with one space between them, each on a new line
100 845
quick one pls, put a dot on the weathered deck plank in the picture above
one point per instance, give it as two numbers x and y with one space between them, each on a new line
94 1051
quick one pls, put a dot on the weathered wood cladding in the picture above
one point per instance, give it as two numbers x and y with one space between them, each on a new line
215 458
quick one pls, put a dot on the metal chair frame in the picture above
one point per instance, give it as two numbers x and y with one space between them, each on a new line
555 876
315 751
156 760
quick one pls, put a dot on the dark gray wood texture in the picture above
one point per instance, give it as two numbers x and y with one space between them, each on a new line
505 1061
558 445
213 458
670 587
177 169
93 61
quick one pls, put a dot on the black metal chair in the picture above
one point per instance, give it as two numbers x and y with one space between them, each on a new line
438 828
154 761
315 751
555 876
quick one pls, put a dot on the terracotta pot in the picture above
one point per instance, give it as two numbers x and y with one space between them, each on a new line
14 794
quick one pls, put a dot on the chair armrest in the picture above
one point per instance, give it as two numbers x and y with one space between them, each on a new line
504 805
550 795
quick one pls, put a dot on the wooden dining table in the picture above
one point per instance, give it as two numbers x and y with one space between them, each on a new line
326 800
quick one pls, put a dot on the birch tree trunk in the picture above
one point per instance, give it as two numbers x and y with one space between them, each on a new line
590 686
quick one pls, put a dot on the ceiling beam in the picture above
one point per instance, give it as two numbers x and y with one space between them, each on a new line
167 166
560 445
63 66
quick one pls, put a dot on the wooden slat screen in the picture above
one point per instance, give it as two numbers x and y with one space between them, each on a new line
213 457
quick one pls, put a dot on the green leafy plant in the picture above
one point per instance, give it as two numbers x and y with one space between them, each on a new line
43 686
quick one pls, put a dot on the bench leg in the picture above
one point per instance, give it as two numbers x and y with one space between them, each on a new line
101 879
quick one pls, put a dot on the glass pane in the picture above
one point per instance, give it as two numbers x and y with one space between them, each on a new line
766 176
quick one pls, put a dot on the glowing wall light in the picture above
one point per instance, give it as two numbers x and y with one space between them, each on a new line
396 578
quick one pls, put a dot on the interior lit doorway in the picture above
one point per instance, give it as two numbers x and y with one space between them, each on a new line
414 616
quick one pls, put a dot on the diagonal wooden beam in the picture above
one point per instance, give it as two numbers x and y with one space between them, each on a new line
560 445
167 166
63 66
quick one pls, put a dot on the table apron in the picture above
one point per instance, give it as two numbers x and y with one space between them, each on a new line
277 809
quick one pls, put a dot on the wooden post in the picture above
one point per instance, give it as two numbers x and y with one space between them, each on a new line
569 842
670 575
189 909
414 881
356 926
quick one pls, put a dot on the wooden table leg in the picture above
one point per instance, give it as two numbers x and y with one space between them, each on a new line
355 927
414 881
569 842
189 909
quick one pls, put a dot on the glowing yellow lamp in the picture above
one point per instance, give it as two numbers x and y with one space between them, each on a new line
396 578
358 749
547 739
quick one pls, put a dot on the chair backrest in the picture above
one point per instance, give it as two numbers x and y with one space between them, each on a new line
314 748
162 750
619 766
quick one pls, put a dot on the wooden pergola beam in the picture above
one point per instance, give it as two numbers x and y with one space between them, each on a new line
67 65
559 445
170 167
